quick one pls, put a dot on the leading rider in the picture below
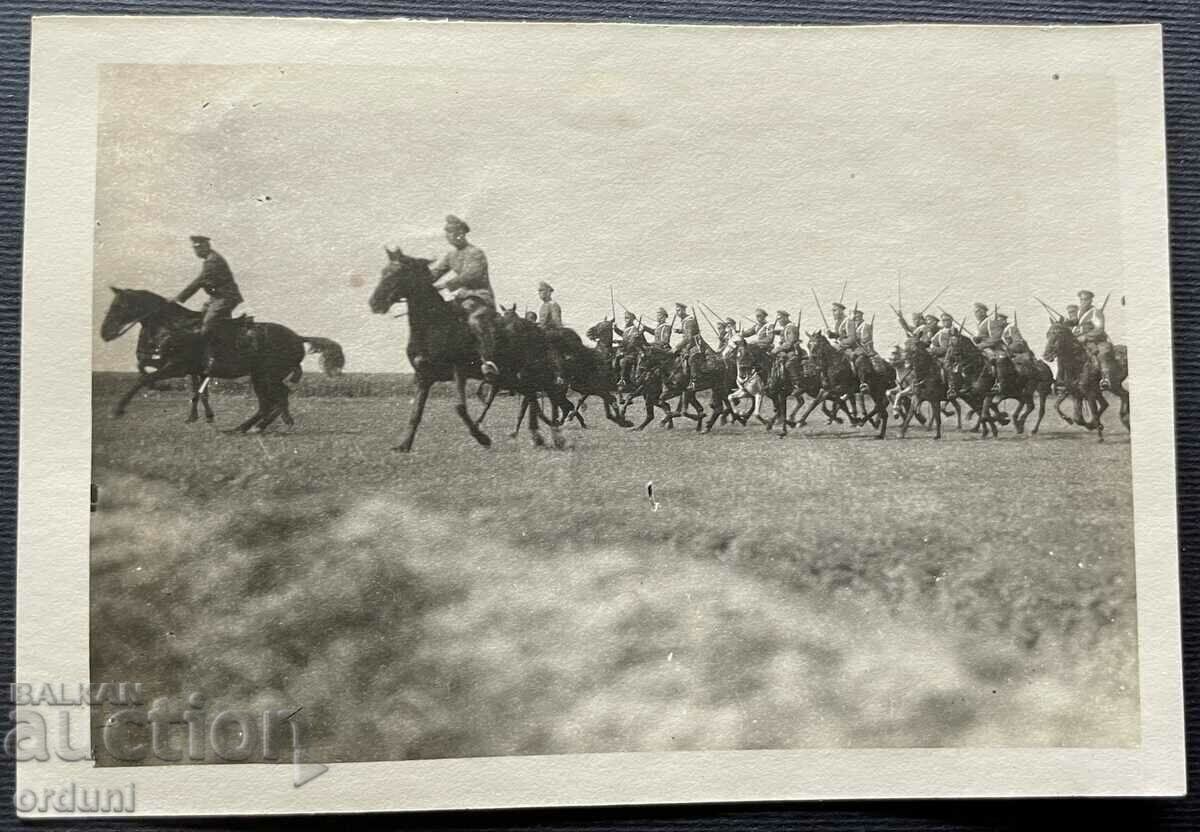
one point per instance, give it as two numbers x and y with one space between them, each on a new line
216 279
471 287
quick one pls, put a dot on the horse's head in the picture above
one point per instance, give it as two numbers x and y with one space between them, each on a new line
601 331
1056 339
398 280
818 344
129 306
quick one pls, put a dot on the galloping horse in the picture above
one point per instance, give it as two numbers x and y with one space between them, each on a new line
442 348
1081 378
268 353
835 366
927 385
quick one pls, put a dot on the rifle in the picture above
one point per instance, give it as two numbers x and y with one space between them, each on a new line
612 302
842 296
820 309
710 323
935 297
1106 297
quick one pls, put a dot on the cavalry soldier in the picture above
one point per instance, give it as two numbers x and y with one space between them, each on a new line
691 347
847 331
728 329
549 313
632 344
762 332
789 336
662 329
990 339
839 321
1091 333
1072 319
1014 342
472 288
927 330
216 279
944 338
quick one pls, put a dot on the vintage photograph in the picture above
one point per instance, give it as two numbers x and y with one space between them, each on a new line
615 426
595 389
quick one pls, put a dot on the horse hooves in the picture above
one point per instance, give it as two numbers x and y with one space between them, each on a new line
559 442
403 447
208 419
116 414
514 434
483 439
539 440
189 420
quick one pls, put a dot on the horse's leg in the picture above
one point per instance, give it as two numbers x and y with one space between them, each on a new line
1041 412
460 386
487 402
1125 408
193 413
146 380
414 417
937 418
913 404
649 412
279 393
812 405
516 431
1058 406
263 393
535 414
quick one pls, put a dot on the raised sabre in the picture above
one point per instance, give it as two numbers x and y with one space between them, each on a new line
935 297
820 309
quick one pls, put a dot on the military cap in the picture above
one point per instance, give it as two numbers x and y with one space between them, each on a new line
931 317
200 238
1071 306
629 316
453 223
946 316
858 313
981 306
1003 315
731 322
839 305
782 313
682 306
1084 293
543 286
662 312
760 313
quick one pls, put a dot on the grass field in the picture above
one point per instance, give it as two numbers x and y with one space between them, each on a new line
824 590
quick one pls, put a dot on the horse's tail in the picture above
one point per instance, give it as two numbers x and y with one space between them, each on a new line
333 358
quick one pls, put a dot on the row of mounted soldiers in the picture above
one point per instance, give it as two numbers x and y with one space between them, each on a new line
999 339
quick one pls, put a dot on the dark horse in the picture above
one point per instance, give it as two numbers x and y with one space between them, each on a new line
928 384
835 366
442 348
1081 378
268 353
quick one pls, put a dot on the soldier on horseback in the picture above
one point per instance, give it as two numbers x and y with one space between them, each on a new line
472 288
761 333
1090 332
662 329
789 337
990 339
216 279
549 313
690 349
632 345
838 327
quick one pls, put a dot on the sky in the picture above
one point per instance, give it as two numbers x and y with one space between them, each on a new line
730 174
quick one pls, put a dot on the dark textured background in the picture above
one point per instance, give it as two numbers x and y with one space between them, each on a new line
1181 21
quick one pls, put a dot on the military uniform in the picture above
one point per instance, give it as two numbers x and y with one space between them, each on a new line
216 279
1091 333
632 345
662 334
550 315
789 339
471 288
